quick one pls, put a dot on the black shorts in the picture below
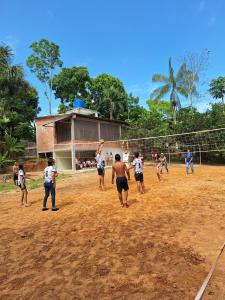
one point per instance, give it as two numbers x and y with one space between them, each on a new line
101 171
139 177
24 187
121 184
15 177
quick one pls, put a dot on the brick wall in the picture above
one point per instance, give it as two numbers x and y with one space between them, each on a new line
45 134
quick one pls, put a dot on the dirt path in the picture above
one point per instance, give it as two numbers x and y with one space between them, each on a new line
161 247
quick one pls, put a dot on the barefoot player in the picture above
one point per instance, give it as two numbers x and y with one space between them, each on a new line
189 161
164 162
138 172
100 165
158 163
119 168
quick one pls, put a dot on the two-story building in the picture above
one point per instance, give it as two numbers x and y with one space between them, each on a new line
74 135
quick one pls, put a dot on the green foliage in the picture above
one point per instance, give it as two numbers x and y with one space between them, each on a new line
4 161
18 99
71 83
108 96
12 146
43 61
217 88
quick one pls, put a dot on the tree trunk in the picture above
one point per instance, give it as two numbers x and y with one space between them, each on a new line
174 116
111 110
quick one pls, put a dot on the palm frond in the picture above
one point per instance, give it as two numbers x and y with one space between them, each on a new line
160 78
182 90
160 92
182 73
171 71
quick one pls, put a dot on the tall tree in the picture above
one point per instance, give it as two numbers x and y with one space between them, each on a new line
18 99
217 89
196 65
43 61
108 96
71 83
172 84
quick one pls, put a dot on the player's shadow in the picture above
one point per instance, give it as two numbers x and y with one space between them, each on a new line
132 202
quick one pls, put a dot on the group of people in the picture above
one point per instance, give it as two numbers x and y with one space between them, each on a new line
120 169
83 164
122 166
49 176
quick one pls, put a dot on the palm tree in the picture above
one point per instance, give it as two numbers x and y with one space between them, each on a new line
172 84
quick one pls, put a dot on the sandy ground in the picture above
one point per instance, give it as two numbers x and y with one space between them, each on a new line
161 247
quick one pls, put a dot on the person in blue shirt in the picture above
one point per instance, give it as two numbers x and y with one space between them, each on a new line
189 161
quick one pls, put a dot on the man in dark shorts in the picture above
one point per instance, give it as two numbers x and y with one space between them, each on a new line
119 168
138 172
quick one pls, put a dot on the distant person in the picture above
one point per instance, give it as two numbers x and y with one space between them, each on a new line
100 166
50 174
189 161
110 158
138 172
126 160
158 163
22 184
163 162
119 168
107 159
15 170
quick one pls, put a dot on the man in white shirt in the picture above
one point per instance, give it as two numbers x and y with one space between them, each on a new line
50 173
138 172
126 160
100 166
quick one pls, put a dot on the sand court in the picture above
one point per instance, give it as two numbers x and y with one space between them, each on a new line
161 247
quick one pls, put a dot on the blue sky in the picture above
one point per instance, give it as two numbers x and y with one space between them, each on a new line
129 39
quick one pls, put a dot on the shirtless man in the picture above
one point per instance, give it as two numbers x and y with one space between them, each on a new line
119 168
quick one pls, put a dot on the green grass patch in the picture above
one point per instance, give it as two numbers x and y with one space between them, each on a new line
31 183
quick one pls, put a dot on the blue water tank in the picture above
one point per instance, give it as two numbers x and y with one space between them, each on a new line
78 103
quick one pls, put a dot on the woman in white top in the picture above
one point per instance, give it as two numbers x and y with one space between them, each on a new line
22 184
126 160
100 166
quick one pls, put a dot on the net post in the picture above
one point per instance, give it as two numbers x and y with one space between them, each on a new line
200 155
73 152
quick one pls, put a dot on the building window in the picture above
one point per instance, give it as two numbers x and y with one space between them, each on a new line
86 130
109 132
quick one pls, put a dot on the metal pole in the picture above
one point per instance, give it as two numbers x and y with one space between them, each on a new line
73 153
200 155
169 154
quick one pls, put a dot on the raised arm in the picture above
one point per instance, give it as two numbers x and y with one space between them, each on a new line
99 149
